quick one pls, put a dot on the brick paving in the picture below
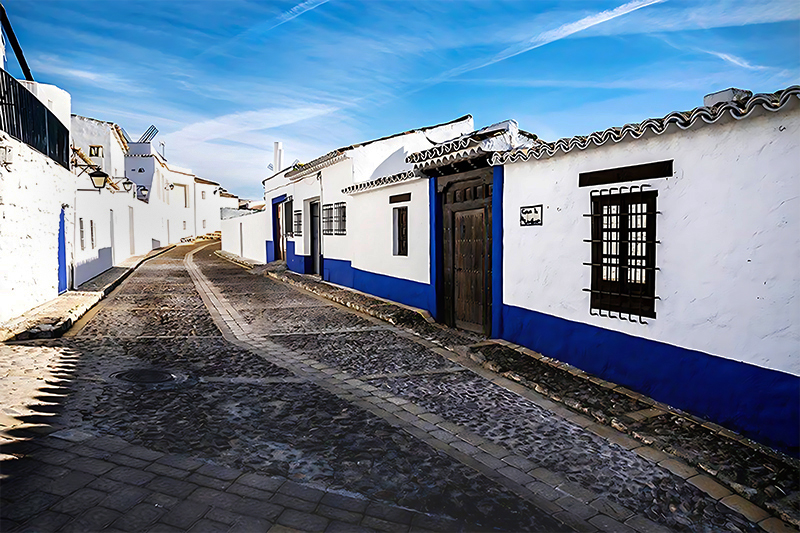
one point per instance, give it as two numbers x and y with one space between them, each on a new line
321 420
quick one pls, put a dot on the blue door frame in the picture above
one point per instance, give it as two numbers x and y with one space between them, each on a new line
62 253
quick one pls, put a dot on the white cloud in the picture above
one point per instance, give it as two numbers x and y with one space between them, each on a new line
738 61
229 126
550 36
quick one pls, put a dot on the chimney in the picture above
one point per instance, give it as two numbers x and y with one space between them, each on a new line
737 96
278 154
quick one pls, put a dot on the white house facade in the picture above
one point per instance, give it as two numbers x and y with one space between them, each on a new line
661 255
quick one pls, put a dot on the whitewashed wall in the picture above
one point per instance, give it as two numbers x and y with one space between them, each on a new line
90 132
57 100
207 209
730 231
371 217
32 191
253 231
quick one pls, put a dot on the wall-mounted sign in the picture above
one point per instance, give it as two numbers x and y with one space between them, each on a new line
530 215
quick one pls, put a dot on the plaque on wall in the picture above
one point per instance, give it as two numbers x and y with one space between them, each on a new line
530 215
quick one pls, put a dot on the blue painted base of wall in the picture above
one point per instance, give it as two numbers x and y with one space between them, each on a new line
302 264
270 251
399 290
761 404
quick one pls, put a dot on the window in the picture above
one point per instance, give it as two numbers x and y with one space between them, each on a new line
95 151
624 253
184 224
204 224
298 223
340 218
327 219
83 239
91 233
400 215
184 191
288 207
203 195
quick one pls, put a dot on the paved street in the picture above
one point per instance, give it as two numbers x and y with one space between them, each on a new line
286 411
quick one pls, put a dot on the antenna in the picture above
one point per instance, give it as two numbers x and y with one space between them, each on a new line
147 136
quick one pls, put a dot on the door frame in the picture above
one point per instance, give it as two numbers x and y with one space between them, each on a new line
315 230
479 183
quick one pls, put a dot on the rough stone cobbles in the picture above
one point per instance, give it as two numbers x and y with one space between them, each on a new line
213 450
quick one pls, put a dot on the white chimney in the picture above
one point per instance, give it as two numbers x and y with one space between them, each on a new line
278 154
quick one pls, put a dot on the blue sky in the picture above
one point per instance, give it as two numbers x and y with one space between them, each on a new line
223 80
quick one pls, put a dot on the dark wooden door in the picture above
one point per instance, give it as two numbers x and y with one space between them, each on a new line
470 269
315 237
466 296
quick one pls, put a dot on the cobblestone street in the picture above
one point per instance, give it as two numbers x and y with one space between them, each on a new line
286 412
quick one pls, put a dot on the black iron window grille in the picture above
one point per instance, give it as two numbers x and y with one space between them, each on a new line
340 218
623 252
327 219
298 223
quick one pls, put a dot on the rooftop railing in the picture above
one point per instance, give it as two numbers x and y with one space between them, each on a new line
28 120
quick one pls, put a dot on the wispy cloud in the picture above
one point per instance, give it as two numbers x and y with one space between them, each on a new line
733 60
550 36
228 126
260 29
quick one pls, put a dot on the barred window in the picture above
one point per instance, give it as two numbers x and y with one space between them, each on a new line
91 233
83 238
624 253
340 218
298 223
95 151
327 219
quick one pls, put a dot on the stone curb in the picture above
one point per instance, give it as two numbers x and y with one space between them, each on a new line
492 460
32 329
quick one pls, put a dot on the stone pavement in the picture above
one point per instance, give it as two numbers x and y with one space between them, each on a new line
53 318
721 460
287 411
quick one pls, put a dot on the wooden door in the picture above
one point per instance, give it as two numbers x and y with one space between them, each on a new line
466 296
469 269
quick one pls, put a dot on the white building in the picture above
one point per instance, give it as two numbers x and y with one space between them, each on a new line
37 196
660 255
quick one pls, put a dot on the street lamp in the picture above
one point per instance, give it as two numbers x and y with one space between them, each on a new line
99 179
127 185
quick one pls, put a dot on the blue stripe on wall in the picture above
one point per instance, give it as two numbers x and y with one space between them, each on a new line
497 250
435 225
404 291
302 264
760 403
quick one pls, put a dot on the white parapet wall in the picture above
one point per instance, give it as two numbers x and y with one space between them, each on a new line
246 236
33 189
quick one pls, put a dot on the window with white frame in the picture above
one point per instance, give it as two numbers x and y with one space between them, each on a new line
203 195
204 224
91 233
83 237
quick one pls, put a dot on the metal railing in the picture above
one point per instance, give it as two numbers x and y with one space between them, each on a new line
28 120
